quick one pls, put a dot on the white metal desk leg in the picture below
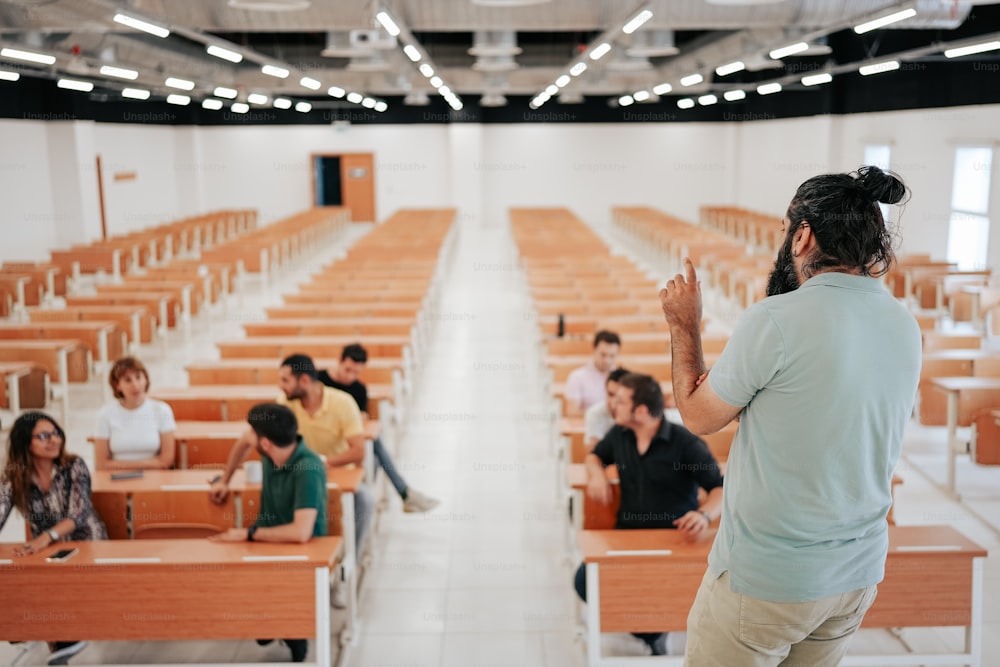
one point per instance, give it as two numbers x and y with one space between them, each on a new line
952 439
64 382
322 617
593 616
350 565
974 633
14 392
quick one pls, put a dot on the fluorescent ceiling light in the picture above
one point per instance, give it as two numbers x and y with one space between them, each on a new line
28 56
637 21
179 100
641 96
734 95
563 81
412 52
436 81
257 98
578 69
455 103
214 105
139 24
225 54
119 72
228 93
427 70
381 106
336 91
600 51
974 48
685 103
662 89
303 107
387 23
282 103
692 79
239 107
179 84
552 89
275 71
730 68
445 91
707 100
885 20
769 88
9 76
789 50
136 93
310 83
878 68
817 79
355 98
73 84
626 100
368 103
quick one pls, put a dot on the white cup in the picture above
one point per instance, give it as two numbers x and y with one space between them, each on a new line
253 471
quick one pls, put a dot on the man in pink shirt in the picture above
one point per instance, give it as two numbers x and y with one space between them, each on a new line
586 385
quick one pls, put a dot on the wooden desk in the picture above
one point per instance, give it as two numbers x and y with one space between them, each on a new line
105 340
933 577
949 363
222 402
171 590
263 371
966 396
63 360
24 385
137 321
325 347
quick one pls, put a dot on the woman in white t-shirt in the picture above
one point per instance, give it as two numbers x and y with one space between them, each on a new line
136 431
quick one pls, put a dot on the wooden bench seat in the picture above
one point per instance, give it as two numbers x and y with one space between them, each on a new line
324 347
106 340
262 371
138 322
396 326
23 386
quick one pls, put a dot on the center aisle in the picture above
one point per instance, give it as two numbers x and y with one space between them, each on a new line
483 578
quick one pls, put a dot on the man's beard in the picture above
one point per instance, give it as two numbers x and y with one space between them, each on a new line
783 277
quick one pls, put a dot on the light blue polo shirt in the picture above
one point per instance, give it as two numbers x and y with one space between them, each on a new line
827 376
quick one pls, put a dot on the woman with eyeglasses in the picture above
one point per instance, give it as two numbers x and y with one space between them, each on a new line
135 432
51 489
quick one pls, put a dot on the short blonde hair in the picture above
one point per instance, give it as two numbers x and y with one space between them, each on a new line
123 366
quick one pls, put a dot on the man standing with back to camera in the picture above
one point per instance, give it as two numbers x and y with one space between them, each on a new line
822 375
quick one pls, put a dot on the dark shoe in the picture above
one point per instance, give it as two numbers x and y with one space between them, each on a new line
264 642
63 651
659 645
299 648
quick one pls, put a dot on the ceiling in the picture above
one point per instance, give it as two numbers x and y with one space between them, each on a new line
488 53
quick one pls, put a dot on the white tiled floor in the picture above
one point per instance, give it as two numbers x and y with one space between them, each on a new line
485 579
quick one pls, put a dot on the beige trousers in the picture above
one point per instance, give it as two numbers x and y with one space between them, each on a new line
727 629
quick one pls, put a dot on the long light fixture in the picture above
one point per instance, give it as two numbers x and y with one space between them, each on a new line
578 69
257 98
730 68
310 83
179 100
73 84
707 100
563 80
412 52
600 51
663 88
136 93
641 95
882 22
734 95
119 72
636 22
685 103
9 76
790 50
336 91
972 49
211 104
427 70
769 88
387 23
28 56
626 100
817 79
692 79
879 68
239 107
224 53
275 71
381 106
355 98
303 107
179 84
228 93
282 103
139 24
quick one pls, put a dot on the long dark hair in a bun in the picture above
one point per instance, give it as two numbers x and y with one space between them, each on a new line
843 212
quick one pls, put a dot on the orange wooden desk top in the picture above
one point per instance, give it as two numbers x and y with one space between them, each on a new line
961 383
345 479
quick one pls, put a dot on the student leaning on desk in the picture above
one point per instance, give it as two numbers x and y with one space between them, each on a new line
661 466
292 494
51 489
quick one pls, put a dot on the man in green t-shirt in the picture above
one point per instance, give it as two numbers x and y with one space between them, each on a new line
293 491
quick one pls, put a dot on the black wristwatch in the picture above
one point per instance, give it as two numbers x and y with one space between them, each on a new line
250 531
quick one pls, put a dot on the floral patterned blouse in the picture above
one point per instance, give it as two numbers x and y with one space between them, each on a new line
67 497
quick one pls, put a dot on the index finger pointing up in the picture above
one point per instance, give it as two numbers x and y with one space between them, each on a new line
689 269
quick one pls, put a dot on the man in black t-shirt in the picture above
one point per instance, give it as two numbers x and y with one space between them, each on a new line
345 378
661 466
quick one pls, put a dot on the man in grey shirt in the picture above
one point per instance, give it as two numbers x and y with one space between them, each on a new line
822 375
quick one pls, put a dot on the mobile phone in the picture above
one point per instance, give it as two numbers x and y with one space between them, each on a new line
61 555
130 474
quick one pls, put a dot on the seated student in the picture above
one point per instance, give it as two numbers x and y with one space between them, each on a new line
134 432
599 417
330 424
345 378
660 467
51 489
292 493
585 385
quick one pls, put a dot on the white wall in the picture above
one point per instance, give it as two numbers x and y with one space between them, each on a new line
483 170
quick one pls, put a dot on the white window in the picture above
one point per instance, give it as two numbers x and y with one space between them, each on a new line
969 224
878 155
